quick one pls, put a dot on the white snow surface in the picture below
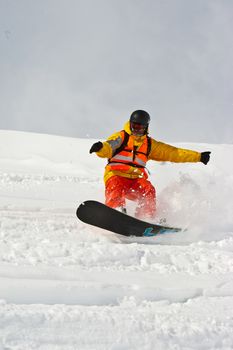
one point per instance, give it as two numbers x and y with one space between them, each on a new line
68 285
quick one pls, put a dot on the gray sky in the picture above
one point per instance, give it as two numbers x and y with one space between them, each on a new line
80 67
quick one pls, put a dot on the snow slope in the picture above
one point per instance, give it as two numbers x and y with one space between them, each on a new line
66 285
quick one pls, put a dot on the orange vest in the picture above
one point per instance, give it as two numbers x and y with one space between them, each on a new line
128 155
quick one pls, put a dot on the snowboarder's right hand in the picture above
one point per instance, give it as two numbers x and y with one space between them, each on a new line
96 147
205 157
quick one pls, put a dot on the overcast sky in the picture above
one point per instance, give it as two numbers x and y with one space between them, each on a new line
80 67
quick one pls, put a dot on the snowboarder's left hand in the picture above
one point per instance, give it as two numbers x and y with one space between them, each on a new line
205 157
96 147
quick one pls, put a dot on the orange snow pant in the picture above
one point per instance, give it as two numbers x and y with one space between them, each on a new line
118 189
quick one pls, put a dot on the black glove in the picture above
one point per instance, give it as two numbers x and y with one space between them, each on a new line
96 147
205 157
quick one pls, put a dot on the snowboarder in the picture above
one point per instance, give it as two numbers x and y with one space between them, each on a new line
128 152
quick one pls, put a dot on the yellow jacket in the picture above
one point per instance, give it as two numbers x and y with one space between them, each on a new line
159 151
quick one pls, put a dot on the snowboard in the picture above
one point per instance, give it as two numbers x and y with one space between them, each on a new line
98 214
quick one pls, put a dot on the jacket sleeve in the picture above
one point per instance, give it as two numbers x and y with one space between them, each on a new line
109 146
163 152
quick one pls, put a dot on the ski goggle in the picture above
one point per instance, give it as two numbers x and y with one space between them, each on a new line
138 129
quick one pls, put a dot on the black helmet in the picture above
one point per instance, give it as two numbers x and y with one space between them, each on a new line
140 117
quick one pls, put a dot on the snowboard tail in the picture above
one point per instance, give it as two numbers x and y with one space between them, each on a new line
98 214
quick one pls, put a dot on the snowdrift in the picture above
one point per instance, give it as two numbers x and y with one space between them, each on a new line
62 280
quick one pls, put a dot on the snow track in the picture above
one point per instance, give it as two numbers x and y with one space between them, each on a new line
48 257
197 324
67 285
